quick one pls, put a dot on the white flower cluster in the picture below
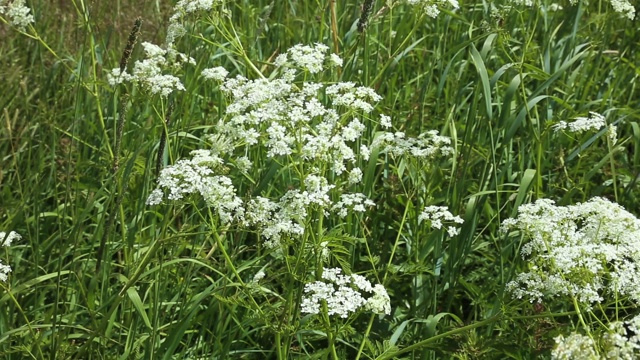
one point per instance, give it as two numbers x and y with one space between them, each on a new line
586 251
258 276
582 124
218 73
197 176
425 146
430 7
437 214
291 120
183 8
17 12
618 344
624 7
148 72
355 202
6 240
353 97
621 341
309 58
343 295
574 347
286 217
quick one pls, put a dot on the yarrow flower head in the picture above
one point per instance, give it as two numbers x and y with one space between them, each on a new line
344 295
588 251
17 12
5 241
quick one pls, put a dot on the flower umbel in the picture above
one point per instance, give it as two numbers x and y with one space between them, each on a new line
5 241
589 251
17 12
343 295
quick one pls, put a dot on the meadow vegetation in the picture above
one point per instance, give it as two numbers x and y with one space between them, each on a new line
359 179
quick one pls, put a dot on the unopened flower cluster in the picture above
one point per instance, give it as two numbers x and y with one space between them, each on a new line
17 12
344 295
589 251
437 215
5 241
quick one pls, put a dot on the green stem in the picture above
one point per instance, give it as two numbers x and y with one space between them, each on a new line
366 335
432 339
395 244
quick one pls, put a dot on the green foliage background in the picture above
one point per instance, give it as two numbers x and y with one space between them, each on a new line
494 81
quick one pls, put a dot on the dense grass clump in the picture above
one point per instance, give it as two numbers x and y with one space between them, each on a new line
203 179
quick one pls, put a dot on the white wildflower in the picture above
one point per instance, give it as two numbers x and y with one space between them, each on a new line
7 239
588 251
582 124
425 146
437 215
116 77
308 57
335 60
148 72
17 12
353 130
624 7
379 303
555 7
613 134
353 97
217 73
344 295
351 202
355 176
617 344
574 347
196 176
258 276
4 271
243 164
281 60
325 252
385 121
430 7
